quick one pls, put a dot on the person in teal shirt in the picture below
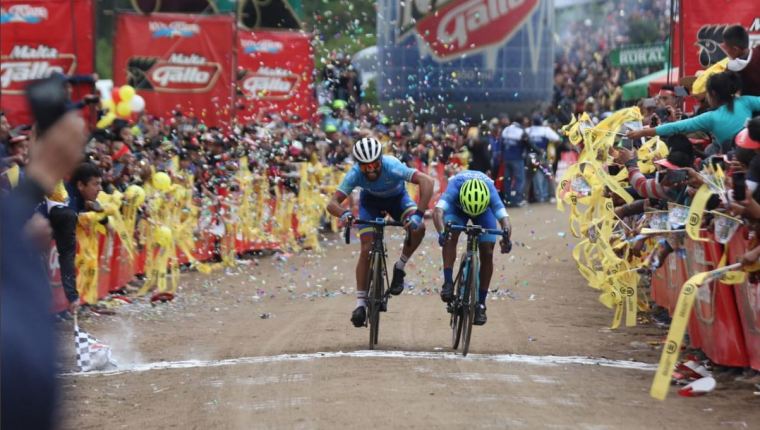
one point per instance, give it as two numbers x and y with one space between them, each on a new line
724 121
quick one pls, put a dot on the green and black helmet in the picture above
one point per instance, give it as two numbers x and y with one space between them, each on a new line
474 197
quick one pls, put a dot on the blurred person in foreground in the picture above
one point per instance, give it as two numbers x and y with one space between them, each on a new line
27 338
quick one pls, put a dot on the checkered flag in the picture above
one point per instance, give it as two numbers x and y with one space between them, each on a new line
91 353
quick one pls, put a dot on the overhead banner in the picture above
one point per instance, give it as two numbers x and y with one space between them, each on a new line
639 55
178 63
468 58
702 23
38 39
275 74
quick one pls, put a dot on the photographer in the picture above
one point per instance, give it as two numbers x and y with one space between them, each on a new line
27 342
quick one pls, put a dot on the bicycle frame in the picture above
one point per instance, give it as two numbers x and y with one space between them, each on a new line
467 285
378 273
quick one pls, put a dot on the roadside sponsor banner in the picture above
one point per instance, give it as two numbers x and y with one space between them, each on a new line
38 39
275 74
639 55
178 62
702 23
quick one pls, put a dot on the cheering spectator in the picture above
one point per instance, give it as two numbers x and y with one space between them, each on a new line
742 59
725 120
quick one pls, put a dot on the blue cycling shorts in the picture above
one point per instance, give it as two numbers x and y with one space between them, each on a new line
371 207
486 220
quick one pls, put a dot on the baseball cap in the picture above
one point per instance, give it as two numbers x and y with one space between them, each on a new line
676 160
743 140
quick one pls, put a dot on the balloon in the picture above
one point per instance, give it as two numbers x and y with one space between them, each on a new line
135 193
137 103
161 181
115 96
106 120
339 104
126 92
163 236
123 109
109 105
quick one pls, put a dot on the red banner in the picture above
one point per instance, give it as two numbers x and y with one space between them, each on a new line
702 23
178 62
40 38
275 74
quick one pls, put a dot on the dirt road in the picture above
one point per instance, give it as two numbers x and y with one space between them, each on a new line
240 350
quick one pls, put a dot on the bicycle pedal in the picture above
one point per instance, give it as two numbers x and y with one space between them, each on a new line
384 307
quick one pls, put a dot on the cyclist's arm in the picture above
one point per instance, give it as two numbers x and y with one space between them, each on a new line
497 206
334 207
426 184
438 219
505 224
445 202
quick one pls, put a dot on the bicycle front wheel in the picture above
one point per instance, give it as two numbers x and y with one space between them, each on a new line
469 301
456 321
375 300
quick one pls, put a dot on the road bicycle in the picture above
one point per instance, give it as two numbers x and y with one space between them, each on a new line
377 282
466 285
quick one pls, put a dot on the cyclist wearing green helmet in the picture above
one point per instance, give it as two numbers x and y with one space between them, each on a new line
471 195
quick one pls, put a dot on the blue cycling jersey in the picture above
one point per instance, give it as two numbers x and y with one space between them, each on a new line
393 175
449 200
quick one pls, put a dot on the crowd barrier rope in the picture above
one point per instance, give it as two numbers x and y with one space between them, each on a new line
175 229
707 293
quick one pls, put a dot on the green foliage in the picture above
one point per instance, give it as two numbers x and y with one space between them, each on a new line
103 58
643 31
340 26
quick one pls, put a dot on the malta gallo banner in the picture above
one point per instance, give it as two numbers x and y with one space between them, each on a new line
703 22
40 38
178 62
275 74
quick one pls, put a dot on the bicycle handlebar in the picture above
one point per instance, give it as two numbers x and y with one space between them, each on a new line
473 229
379 222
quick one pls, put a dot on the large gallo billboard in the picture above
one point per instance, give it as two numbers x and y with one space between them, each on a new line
37 39
702 23
473 58
275 74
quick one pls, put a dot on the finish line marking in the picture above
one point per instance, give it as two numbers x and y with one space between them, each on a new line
537 360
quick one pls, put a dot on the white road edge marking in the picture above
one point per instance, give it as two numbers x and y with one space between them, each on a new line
537 360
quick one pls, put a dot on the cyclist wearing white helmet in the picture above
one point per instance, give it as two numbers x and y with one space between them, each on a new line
471 195
382 179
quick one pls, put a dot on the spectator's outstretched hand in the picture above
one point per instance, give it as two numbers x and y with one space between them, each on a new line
624 155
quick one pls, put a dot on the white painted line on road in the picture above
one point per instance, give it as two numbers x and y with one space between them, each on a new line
537 360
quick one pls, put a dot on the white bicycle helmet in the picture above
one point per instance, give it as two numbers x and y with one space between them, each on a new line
367 150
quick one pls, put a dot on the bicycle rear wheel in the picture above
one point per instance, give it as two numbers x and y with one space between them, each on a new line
375 300
456 321
469 301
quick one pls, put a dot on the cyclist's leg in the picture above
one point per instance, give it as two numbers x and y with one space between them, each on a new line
400 207
400 210
449 253
486 245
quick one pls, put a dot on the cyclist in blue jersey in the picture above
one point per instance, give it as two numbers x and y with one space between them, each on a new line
471 195
382 179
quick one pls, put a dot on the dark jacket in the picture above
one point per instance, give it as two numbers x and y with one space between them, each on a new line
27 337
